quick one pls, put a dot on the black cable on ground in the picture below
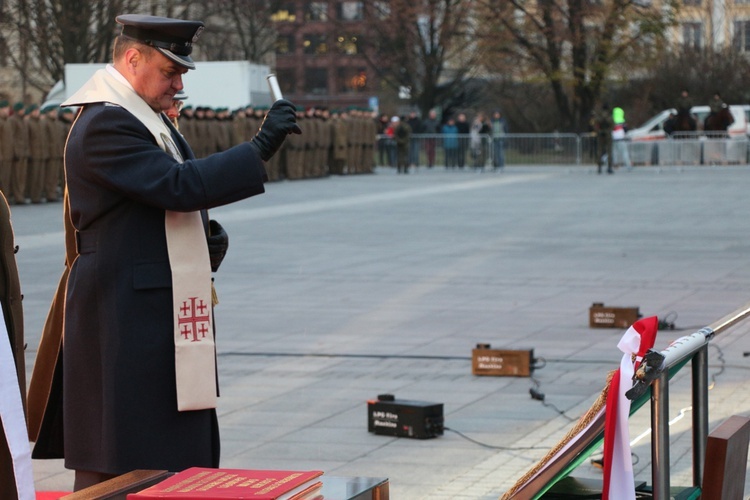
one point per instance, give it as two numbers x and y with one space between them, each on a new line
493 447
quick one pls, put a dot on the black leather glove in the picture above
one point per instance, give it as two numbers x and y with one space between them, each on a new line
218 243
280 121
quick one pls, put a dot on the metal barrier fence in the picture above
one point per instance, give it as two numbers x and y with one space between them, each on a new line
485 152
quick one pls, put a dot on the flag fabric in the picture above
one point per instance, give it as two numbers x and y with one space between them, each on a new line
619 483
13 420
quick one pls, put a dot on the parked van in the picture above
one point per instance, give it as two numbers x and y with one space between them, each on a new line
653 129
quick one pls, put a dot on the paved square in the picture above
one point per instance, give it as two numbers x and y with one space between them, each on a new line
338 289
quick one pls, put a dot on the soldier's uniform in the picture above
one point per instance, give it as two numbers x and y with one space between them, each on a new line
324 145
7 148
55 146
351 143
604 124
186 123
295 150
19 171
38 153
370 137
339 142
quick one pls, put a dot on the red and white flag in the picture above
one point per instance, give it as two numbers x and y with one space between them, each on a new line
619 483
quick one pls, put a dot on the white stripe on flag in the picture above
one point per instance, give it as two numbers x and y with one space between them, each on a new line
622 482
13 420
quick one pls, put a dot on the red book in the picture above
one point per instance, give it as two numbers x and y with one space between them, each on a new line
199 483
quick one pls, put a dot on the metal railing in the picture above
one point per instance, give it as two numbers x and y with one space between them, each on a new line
485 152
694 348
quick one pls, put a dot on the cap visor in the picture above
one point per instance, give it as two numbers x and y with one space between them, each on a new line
184 61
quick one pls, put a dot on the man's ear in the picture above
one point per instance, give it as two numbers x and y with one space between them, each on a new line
133 57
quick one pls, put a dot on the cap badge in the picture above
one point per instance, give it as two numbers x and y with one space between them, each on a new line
198 33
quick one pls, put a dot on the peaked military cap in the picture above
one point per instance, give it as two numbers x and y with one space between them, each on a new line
172 37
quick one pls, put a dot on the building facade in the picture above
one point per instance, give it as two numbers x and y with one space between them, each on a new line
321 54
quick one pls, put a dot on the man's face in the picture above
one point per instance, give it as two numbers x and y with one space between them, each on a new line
157 80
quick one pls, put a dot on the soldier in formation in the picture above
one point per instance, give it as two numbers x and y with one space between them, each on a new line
32 141
332 142
31 152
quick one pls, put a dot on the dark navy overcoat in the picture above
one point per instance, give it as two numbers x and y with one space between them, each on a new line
120 403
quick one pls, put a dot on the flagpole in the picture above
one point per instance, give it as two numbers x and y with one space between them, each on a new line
730 319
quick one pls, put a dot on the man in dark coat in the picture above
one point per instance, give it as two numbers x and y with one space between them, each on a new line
134 189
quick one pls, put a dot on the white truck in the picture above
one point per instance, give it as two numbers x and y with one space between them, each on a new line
215 84
653 129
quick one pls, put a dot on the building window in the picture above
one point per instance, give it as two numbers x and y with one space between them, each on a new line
285 13
381 10
691 35
350 80
347 44
285 44
741 38
316 81
287 80
315 44
316 11
350 11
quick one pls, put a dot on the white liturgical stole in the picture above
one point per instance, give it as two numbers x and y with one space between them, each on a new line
195 357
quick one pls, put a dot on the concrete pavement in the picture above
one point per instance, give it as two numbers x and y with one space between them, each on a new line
336 290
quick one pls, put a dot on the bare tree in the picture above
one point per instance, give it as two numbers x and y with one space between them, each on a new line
237 29
576 46
41 36
423 46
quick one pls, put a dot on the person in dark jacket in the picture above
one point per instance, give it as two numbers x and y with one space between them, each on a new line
402 136
464 141
139 385
431 128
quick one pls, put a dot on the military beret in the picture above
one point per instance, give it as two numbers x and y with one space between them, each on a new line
4 104
172 37
18 106
31 108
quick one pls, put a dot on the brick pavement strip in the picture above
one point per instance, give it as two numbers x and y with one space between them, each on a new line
363 285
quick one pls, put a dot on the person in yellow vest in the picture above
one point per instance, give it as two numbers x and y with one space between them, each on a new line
139 387
619 142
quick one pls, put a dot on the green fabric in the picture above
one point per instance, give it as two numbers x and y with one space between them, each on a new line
597 442
618 116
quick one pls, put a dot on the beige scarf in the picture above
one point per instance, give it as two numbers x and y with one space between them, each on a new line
195 354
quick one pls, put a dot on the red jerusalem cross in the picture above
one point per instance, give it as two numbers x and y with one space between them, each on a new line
194 319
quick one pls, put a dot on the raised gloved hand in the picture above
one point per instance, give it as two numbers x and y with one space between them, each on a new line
218 243
280 121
